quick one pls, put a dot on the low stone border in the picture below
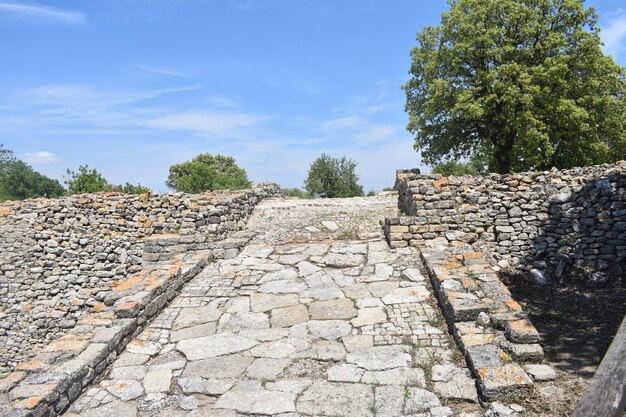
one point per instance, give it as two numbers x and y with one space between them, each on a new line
490 327
46 385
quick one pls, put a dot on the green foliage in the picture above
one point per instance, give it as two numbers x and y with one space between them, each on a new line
333 177
19 181
6 157
129 188
207 172
520 84
371 193
296 192
458 169
86 180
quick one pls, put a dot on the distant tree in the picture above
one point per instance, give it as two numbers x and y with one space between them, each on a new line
6 157
86 180
19 181
523 84
333 177
207 172
129 188
371 193
296 192
458 169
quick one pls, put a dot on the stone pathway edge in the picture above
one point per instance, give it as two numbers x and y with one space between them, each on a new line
48 384
500 344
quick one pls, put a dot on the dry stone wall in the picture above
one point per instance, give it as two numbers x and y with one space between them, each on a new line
551 220
60 258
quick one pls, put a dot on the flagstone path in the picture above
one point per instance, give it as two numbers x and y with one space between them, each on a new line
317 316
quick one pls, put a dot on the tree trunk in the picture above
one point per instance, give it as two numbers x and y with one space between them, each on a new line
503 154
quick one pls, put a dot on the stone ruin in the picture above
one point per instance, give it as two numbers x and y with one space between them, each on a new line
81 276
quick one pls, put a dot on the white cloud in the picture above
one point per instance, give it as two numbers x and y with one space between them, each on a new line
165 71
210 124
376 133
42 14
40 158
359 129
342 123
614 36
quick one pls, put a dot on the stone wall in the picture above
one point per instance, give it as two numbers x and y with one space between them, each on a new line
60 258
553 219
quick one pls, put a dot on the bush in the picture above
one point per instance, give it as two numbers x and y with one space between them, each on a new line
456 169
129 188
296 192
333 177
86 180
19 181
207 172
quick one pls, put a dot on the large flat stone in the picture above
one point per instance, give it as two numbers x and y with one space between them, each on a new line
379 358
236 322
202 330
214 345
194 316
338 309
289 316
265 302
336 399
259 401
407 295
369 316
229 366
283 348
124 390
112 409
329 329
282 287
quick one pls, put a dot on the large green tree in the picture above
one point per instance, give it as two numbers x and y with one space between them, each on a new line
86 180
207 172
333 177
19 180
521 84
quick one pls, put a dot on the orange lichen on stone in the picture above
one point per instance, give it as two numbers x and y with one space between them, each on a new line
477 339
69 343
513 305
522 325
98 307
156 280
28 403
5 211
176 266
26 308
452 265
98 319
126 306
469 283
31 366
438 183
129 283
11 380
472 255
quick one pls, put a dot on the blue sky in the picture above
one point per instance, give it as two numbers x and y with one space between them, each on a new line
133 86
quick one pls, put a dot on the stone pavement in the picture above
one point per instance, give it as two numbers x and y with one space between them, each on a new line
317 316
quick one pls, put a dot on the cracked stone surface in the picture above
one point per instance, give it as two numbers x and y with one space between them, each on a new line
316 316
